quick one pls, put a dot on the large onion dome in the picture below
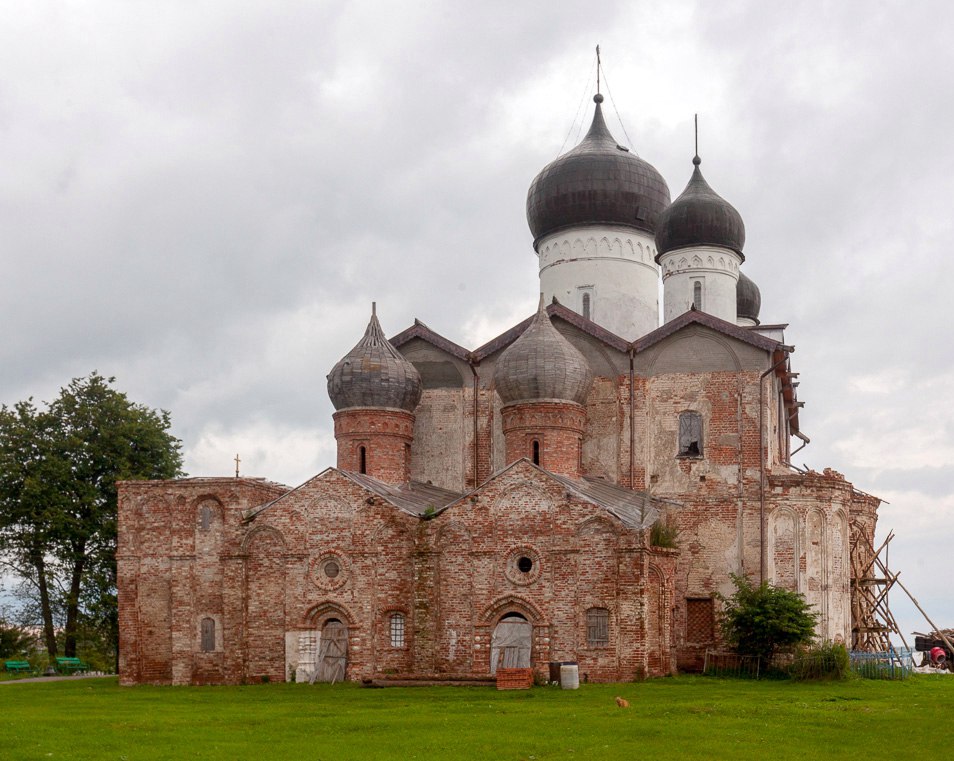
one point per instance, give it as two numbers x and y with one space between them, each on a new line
748 299
374 374
542 364
699 217
598 182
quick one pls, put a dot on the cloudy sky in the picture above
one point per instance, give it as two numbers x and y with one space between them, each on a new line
203 198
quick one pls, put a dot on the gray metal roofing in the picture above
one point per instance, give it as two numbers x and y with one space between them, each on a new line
374 374
415 497
636 510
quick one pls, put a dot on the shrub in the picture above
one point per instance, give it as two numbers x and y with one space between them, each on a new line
664 533
829 660
763 620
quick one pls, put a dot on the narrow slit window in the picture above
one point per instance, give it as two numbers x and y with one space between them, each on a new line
535 452
586 306
690 434
362 460
697 294
207 627
397 630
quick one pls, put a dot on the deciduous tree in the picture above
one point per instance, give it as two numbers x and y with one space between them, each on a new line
58 474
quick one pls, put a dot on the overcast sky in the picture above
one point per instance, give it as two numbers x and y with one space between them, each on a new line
203 198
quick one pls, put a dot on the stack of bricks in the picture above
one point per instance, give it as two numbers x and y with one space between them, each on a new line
514 679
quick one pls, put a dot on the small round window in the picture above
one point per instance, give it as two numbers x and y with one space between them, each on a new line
522 565
330 570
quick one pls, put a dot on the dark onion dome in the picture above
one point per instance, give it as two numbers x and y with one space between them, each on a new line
598 182
699 217
748 300
542 364
374 374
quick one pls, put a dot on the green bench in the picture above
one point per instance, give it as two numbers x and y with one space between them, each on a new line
18 667
71 666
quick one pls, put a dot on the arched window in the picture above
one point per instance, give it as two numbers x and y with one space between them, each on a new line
597 627
205 517
535 452
690 434
362 460
697 294
207 644
397 629
586 305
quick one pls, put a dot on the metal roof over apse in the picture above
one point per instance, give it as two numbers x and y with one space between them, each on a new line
374 374
597 182
699 217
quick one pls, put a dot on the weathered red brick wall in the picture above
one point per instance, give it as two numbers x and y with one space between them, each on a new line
555 427
264 581
383 435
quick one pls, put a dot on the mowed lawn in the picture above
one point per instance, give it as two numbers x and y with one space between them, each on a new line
685 717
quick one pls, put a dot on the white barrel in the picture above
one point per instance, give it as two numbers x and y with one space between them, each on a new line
570 676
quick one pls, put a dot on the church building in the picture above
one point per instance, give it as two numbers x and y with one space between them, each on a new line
579 489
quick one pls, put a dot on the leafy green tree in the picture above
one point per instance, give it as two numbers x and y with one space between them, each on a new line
763 620
14 640
58 501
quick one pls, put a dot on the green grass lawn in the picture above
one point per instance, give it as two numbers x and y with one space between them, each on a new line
685 717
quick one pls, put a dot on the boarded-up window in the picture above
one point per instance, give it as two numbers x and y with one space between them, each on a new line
208 635
397 630
597 627
700 620
690 434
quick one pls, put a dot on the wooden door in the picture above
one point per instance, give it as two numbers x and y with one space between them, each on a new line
510 644
332 658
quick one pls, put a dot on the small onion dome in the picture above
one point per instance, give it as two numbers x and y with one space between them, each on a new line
374 374
699 217
748 300
542 364
598 182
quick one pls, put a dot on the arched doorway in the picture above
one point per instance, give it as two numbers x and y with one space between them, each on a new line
510 643
332 658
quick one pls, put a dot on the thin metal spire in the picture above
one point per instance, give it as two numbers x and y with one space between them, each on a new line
695 159
599 65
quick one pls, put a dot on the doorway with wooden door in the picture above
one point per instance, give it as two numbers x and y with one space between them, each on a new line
510 643
332 660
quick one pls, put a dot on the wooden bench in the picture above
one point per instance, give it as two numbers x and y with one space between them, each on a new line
71 666
18 667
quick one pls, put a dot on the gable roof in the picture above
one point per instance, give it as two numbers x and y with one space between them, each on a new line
696 317
414 498
420 330
635 509
555 309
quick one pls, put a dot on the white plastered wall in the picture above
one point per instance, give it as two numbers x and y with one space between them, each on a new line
715 268
614 266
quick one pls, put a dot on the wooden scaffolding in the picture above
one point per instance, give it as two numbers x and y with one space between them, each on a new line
872 622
